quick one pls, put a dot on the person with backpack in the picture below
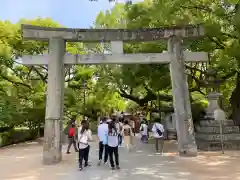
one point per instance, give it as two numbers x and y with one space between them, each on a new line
84 137
158 134
112 140
127 134
71 138
102 136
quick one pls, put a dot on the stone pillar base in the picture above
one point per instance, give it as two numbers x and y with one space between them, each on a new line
52 146
188 151
48 159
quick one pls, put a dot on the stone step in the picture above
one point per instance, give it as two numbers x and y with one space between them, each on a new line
216 130
217 137
216 123
216 146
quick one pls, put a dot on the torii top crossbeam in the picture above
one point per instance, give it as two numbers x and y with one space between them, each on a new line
30 32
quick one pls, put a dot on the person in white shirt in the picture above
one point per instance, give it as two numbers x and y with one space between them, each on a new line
113 145
102 135
158 134
84 136
144 131
119 126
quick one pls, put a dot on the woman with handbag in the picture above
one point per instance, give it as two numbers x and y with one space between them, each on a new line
84 136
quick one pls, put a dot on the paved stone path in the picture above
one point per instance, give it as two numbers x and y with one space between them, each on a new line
23 162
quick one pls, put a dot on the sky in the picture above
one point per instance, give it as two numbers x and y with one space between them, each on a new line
70 13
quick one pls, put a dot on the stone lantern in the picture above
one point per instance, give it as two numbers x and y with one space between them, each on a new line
213 99
213 96
216 132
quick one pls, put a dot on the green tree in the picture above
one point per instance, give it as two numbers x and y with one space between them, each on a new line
143 83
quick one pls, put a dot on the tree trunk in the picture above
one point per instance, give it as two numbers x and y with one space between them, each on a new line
235 98
235 101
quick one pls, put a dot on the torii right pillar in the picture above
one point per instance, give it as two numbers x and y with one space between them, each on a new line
181 99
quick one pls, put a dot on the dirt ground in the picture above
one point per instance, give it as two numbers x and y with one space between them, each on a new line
23 162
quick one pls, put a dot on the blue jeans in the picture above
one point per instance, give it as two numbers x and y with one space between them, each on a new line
119 139
144 138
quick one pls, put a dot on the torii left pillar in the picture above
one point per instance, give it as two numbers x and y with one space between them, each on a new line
52 147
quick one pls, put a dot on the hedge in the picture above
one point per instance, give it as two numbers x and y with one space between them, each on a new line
14 136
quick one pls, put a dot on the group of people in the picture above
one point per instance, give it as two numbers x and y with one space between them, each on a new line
80 138
111 134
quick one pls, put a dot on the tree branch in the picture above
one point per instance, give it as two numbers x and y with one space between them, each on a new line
196 89
217 42
14 82
43 78
198 7
149 97
229 35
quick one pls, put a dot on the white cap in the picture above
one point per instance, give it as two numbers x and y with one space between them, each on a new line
109 120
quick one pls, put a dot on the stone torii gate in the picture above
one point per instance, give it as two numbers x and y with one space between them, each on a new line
57 58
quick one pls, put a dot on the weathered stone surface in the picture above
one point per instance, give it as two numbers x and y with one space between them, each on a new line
136 58
98 35
217 137
219 115
216 123
216 129
208 135
213 98
52 146
182 109
216 146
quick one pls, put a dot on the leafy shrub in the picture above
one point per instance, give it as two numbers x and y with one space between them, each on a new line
198 110
16 136
5 128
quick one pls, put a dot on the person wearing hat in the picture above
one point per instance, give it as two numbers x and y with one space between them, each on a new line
108 120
